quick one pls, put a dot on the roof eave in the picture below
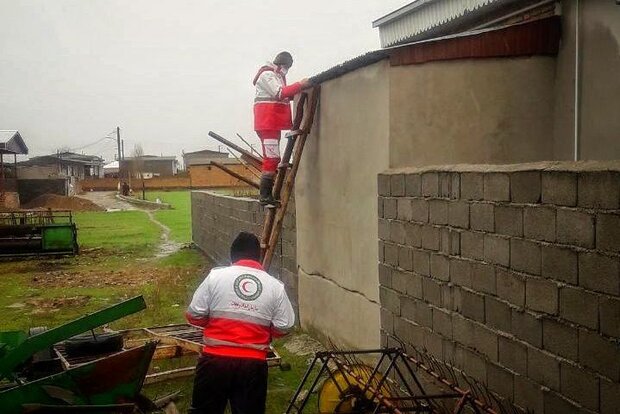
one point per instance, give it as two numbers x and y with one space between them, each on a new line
406 9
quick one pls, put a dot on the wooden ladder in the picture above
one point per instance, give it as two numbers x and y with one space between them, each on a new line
287 170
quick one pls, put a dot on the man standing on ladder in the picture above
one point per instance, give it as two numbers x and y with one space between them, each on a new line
272 115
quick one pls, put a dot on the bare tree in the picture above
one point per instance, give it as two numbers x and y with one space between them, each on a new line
137 165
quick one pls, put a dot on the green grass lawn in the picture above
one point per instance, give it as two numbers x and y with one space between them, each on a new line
178 219
117 263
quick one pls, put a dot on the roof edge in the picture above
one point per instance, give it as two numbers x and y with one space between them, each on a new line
406 9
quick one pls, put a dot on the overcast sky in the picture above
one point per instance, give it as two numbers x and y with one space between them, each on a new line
165 71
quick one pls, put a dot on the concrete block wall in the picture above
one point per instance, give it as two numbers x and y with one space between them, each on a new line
217 219
510 274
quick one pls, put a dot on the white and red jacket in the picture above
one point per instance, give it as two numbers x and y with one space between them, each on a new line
241 307
272 110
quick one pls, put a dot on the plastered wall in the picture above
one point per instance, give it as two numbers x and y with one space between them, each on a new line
336 208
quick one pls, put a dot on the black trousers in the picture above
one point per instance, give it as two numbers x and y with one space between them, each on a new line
218 380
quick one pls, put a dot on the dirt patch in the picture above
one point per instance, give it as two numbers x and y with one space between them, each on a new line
45 305
303 345
102 278
57 202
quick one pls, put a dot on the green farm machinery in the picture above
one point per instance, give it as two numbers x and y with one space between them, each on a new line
45 232
35 376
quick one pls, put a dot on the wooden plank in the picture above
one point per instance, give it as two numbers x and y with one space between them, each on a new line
289 183
251 158
236 175
169 375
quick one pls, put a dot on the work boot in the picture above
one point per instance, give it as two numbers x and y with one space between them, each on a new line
266 197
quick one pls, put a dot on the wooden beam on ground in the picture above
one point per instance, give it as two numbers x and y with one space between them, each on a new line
251 158
234 174
168 375
289 180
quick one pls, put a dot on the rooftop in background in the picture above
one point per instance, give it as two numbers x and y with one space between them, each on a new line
11 142
203 157
426 19
66 157
211 153
153 158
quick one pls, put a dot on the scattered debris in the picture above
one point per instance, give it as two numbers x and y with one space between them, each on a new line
303 345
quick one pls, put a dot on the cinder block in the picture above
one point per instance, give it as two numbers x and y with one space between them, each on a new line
438 211
456 186
390 253
579 306
433 343
525 256
609 311
559 188
430 184
513 355
405 257
445 185
472 186
599 354
541 295
608 232
414 286
556 403
442 322
390 209
559 263
543 368
482 217
497 187
419 210
450 294
450 243
460 272
432 291
528 394
483 278
472 245
397 185
463 330
610 397
397 232
497 249
510 287
387 320
421 262
390 300
509 220
579 385
417 311
473 364
575 227
399 281
430 237
472 305
500 381
527 327
413 234
385 276
485 341
413 185
599 273
440 267
497 314
384 229
599 190
458 214
525 187
408 332
404 210
560 339
539 223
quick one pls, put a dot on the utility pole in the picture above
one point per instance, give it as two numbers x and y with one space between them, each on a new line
122 149
118 144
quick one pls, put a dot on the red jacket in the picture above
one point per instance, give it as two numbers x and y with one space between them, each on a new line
272 110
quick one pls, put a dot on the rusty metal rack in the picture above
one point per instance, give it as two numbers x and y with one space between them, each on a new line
287 170
345 383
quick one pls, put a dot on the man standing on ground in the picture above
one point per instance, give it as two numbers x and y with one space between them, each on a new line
272 114
241 307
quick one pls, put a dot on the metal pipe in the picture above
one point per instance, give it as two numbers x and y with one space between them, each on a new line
577 83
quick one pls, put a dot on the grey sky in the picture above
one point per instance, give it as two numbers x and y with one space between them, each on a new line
165 71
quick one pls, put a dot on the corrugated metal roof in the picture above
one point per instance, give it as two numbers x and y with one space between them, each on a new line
417 18
349 66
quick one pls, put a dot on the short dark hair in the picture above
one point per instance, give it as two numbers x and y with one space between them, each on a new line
283 59
245 246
